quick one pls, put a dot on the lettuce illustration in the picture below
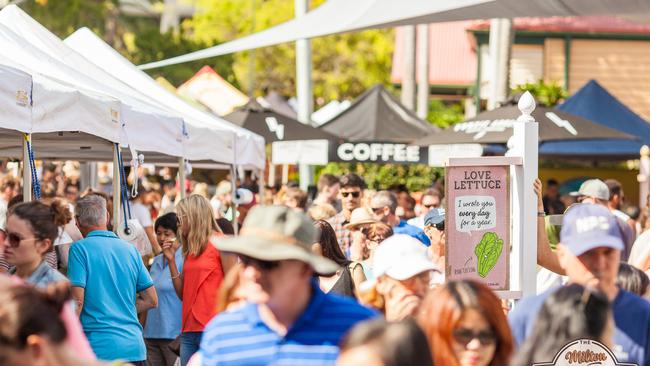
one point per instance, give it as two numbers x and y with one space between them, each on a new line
488 251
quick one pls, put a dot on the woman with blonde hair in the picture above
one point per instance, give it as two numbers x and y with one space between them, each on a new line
203 269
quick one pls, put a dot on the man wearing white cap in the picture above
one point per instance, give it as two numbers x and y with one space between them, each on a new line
404 275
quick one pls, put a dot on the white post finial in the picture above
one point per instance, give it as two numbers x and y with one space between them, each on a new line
526 105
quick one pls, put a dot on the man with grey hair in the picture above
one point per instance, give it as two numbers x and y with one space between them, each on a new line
106 273
383 206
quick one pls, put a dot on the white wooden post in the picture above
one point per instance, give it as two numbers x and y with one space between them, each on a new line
524 209
117 184
644 176
27 171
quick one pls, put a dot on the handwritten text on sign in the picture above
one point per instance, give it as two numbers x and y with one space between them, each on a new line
478 228
474 213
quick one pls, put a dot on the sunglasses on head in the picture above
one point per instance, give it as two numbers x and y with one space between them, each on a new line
465 336
262 265
354 194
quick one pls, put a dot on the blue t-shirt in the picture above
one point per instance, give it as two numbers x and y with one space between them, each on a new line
410 230
631 317
111 272
164 322
240 337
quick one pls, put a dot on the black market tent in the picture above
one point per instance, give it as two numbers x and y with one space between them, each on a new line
595 103
377 116
495 127
275 126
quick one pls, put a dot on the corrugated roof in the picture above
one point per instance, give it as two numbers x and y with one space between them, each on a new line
452 58
585 24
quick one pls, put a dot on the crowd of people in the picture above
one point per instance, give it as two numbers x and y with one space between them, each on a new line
351 276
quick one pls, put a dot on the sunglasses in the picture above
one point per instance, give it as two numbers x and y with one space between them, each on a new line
465 336
430 206
377 210
14 239
354 194
440 226
262 265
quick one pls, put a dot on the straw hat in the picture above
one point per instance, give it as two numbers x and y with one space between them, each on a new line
360 216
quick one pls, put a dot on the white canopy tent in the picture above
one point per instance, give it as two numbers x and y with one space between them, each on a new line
249 147
366 14
44 52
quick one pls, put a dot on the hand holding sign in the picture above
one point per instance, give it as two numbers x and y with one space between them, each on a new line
475 213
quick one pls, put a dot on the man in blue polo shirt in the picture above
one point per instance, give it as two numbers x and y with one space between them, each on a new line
590 252
383 206
293 321
106 273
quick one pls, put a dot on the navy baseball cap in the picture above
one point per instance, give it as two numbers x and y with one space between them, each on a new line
434 216
588 226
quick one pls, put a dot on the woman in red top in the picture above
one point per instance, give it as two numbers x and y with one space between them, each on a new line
203 270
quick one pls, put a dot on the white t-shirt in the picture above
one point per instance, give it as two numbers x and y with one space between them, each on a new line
141 213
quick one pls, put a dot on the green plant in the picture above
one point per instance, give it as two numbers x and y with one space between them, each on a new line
444 114
547 94
416 177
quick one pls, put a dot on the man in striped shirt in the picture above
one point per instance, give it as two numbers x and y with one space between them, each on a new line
293 321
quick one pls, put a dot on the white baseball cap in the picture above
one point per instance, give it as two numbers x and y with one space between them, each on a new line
401 257
593 188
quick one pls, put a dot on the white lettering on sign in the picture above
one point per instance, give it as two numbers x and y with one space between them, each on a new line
589 223
345 151
378 152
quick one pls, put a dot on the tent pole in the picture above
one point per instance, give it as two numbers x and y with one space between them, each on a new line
304 88
261 184
235 204
117 182
181 177
27 172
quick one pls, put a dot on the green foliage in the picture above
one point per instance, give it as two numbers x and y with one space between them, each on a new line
149 45
488 251
416 177
444 114
547 94
344 66
64 17
137 38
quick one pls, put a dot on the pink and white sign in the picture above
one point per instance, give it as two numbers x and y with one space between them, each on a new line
478 224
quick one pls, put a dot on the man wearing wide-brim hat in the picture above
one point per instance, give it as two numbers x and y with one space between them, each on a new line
294 322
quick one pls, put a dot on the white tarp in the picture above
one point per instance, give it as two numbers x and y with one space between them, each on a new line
249 147
146 128
15 94
341 16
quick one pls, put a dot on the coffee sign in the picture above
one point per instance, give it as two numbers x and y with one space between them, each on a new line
379 152
478 224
